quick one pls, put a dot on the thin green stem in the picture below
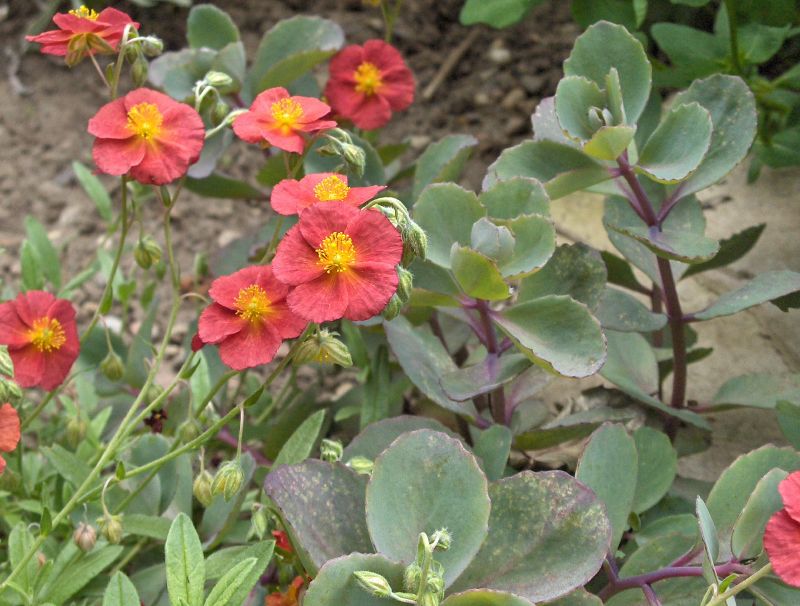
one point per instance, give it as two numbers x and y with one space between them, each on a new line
734 35
120 62
722 598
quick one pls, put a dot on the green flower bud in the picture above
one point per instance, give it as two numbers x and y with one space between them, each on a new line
323 348
147 252
259 520
405 282
6 365
229 480
361 465
201 488
218 79
9 391
85 537
152 46
112 366
188 430
411 577
415 243
331 450
76 431
442 538
220 112
111 528
139 71
373 583
393 308
355 158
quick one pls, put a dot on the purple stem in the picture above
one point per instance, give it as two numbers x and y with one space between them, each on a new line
668 572
500 410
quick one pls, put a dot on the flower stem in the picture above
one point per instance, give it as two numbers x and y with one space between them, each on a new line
734 36
722 598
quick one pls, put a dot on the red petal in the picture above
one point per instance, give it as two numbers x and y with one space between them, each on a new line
398 89
369 288
316 126
321 300
116 17
313 109
344 64
249 127
375 238
63 311
288 324
13 332
290 195
359 195
197 343
9 428
217 323
28 366
790 491
255 345
782 543
117 157
57 365
295 261
161 164
111 121
33 305
264 100
293 143
321 220
382 54
74 24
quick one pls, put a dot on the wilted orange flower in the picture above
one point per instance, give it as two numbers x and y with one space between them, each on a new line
9 431
290 598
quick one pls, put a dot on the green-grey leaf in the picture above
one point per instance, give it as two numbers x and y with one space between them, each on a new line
678 145
120 591
575 97
708 531
20 541
748 532
515 196
671 244
335 584
579 597
322 505
789 421
605 45
446 212
561 168
186 571
758 390
83 569
492 240
498 13
575 270
425 361
211 27
535 242
620 311
732 107
572 427
142 525
764 287
730 493
442 160
556 332
658 464
48 259
95 190
492 447
483 377
730 250
221 561
548 534
477 274
608 142
302 442
376 437
609 466
227 588
423 482
485 597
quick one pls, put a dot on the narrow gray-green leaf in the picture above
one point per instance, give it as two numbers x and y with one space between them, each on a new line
302 442
442 161
120 591
186 571
764 287
223 593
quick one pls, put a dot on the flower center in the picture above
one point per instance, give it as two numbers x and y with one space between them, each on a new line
252 303
47 334
368 78
144 120
331 188
336 252
84 13
286 113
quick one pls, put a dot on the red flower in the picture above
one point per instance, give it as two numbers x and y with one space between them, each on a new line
290 196
148 136
782 535
367 83
341 262
289 598
84 32
282 540
249 317
277 118
41 336
9 431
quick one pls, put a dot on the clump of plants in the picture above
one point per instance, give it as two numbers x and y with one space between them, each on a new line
123 487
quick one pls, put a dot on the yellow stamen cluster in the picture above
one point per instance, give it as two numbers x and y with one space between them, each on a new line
252 303
336 252
84 13
368 78
47 335
331 188
287 112
144 120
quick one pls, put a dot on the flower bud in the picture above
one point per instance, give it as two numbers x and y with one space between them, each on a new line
259 521
152 46
361 465
595 118
6 365
228 480
393 308
405 282
415 243
331 450
220 112
355 158
76 431
324 348
188 431
201 488
9 391
139 71
411 577
147 252
218 79
112 366
85 537
442 539
373 583
111 528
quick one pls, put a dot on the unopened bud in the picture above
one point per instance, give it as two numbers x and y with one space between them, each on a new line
9 391
331 450
188 430
259 520
229 480
415 243
355 158
139 71
595 118
442 539
221 110
201 488
152 46
405 282
85 537
393 308
147 252
112 366
76 431
361 465
6 365
111 528
373 583
411 577
324 348
218 79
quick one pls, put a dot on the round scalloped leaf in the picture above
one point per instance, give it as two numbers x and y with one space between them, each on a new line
477 274
575 97
579 597
322 505
446 212
605 45
442 160
658 464
514 197
548 534
678 145
620 311
535 243
732 107
208 26
423 482
485 597
608 142
609 466
335 584
377 437
748 532
556 332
